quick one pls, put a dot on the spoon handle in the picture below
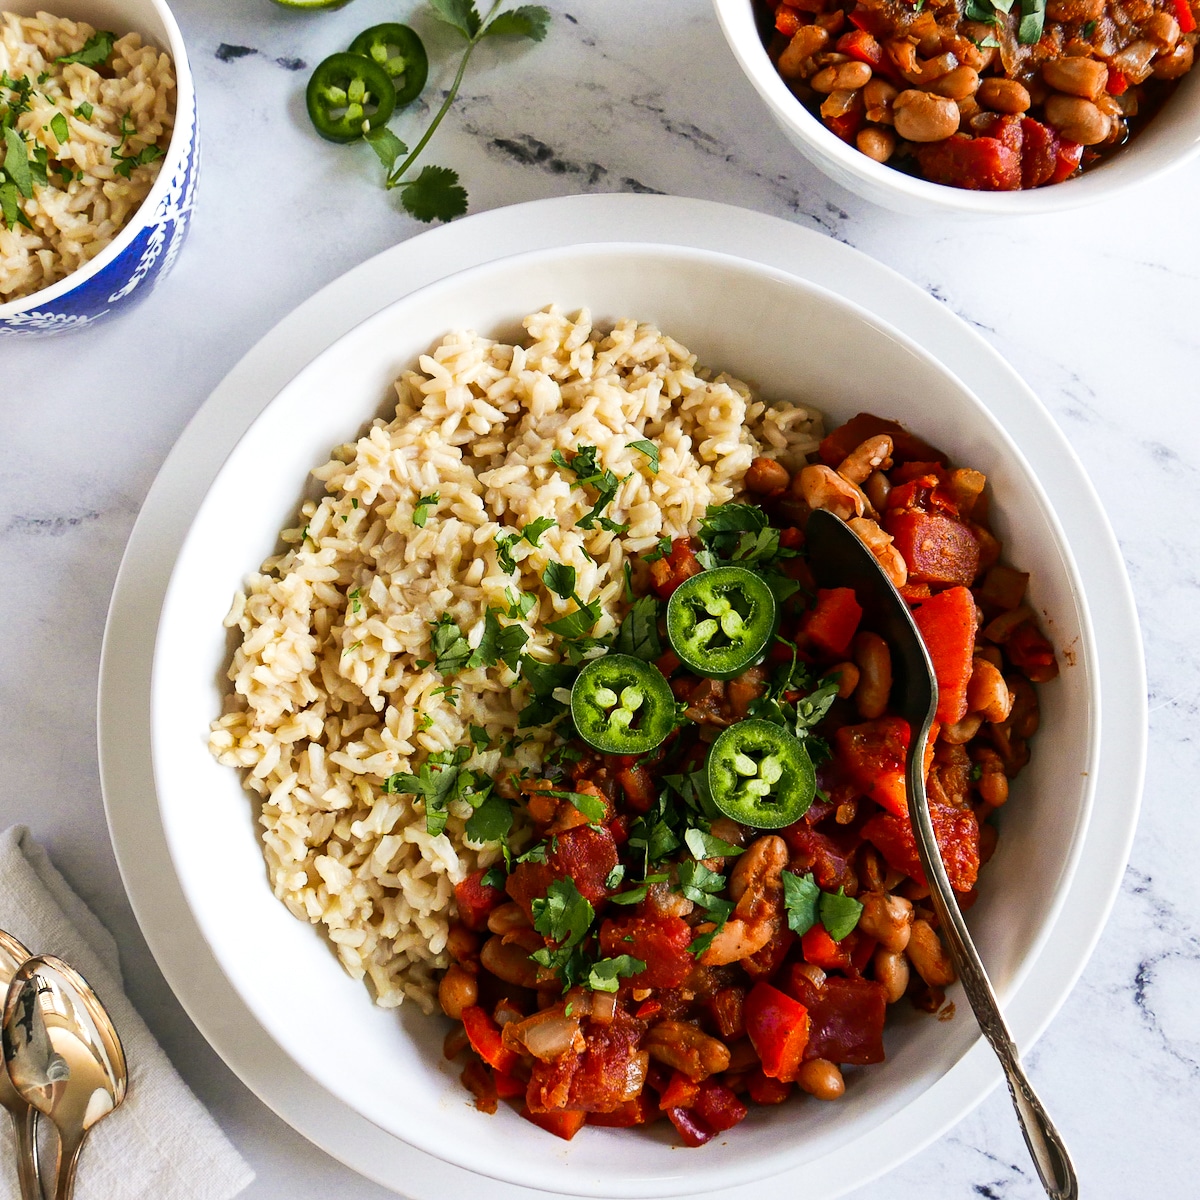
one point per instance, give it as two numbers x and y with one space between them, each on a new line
25 1125
70 1142
1049 1153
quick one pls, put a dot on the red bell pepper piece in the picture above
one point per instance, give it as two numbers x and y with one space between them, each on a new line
980 164
718 1107
831 626
873 756
848 124
692 1128
864 46
906 447
681 1092
1031 653
947 625
563 1123
822 951
661 942
666 574
1039 158
778 1029
507 1086
937 548
484 1036
476 900
787 20
765 1090
1070 154
1185 17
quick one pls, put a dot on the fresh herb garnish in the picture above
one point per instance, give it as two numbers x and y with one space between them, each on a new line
506 539
705 845
127 162
605 973
491 821
435 194
434 784
84 111
660 551
839 913
424 504
1033 20
58 127
592 807
638 634
450 649
495 877
93 52
807 905
649 449
16 162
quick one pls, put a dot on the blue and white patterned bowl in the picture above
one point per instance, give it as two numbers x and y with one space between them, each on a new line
133 262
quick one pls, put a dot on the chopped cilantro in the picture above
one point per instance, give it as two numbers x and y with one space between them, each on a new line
424 504
638 634
559 579
479 738
649 449
605 973
839 913
93 52
434 784
450 649
705 845
800 897
491 821
660 551
58 127
563 915
495 877
16 162
592 807
84 111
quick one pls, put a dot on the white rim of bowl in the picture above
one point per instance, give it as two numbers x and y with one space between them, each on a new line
185 101
1116 175
659 1186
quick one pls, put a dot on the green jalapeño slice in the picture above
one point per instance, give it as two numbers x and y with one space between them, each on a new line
721 621
348 95
622 705
760 775
401 53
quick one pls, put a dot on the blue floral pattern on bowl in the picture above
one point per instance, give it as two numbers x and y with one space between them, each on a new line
135 271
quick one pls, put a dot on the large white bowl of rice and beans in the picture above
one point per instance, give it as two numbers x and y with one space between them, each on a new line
978 107
98 158
440 765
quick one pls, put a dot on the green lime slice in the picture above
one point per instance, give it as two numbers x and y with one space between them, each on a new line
312 4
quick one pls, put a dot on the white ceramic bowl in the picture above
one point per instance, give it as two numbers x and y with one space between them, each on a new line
1170 139
789 339
132 263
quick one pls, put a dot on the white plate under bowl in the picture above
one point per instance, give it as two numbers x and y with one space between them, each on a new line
790 339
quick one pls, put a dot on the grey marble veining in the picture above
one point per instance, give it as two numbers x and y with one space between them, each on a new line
1097 310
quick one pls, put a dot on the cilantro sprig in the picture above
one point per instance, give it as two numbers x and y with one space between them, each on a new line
436 194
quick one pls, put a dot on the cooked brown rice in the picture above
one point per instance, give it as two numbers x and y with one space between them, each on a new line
328 698
115 111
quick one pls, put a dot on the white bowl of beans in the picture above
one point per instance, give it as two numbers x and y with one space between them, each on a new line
916 107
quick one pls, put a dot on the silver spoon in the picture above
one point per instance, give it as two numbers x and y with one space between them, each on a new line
63 1055
24 1115
838 558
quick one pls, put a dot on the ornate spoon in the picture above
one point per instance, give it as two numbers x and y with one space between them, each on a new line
24 1115
63 1055
838 558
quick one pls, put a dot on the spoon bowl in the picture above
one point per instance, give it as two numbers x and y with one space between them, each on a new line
24 1116
839 558
63 1055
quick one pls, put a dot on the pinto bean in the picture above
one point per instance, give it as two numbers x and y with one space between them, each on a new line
847 76
959 733
1076 76
874 454
987 693
823 487
891 970
878 96
509 962
847 675
992 783
887 919
1077 119
807 41
457 990
683 1047
507 918
1175 64
461 944
874 661
1003 96
821 1078
881 544
927 954
766 477
922 117
958 84
878 486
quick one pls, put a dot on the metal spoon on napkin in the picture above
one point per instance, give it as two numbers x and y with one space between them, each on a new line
24 1115
838 558
63 1055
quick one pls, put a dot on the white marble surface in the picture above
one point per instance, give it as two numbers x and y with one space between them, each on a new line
1096 310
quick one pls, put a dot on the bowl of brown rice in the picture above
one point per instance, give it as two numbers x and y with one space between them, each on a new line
98 162
292 672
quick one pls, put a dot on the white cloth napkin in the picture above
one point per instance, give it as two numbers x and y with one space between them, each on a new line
160 1144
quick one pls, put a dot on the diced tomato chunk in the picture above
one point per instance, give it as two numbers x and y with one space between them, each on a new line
1070 154
778 1029
476 900
906 447
640 1111
846 1018
832 624
638 785
507 1086
484 1036
980 164
822 951
561 1122
1117 84
692 1128
1040 155
947 626
848 124
826 857
1031 653
765 1090
787 20
585 855
937 548
957 833
718 1107
666 574
873 756
681 1092
661 942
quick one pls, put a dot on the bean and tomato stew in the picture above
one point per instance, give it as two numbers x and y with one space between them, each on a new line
723 917
990 95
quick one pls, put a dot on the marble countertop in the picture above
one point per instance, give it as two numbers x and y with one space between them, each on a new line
1095 309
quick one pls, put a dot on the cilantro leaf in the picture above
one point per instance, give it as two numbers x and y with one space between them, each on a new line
93 52
387 146
649 449
58 127
491 821
592 807
480 738
563 915
16 162
505 541
638 634
800 897
458 14
839 913
424 504
450 649
434 785
435 194
84 111
528 21
559 578
10 205
606 972
127 162
495 877
705 845
534 530
660 551
699 884
520 604
578 623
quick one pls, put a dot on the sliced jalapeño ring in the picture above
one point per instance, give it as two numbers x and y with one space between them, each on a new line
401 53
622 705
721 621
761 775
348 95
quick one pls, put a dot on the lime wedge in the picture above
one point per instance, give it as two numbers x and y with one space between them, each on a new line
312 4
